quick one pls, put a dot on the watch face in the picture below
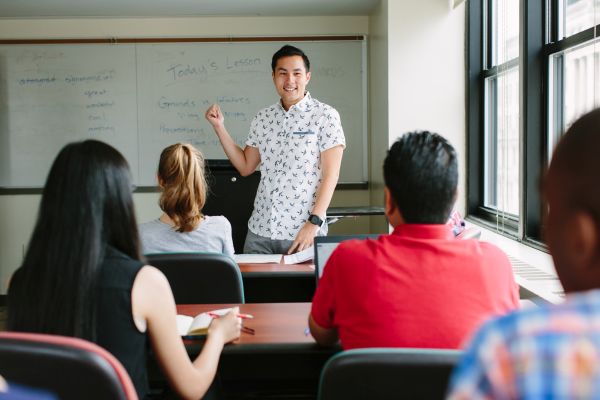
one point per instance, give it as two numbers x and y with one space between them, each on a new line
315 219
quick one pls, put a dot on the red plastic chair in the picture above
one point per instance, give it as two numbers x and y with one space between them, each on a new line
69 367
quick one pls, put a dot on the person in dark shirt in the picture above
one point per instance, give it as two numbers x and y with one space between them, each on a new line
83 275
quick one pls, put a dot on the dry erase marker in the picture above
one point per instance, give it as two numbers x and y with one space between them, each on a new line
242 316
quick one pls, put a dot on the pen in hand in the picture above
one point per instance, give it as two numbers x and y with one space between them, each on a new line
242 316
244 329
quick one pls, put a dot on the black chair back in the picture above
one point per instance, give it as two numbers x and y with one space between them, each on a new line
387 373
70 368
200 278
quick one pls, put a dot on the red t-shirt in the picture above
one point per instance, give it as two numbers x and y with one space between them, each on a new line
418 287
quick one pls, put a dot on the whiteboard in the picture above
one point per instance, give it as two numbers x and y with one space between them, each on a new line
142 97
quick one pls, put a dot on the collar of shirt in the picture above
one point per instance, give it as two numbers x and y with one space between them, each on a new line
424 231
302 105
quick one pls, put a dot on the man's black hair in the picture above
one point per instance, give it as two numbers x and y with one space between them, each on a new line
288 51
421 173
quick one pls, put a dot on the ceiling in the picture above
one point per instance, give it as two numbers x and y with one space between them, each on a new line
181 8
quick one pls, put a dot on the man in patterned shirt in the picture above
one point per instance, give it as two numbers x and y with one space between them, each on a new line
298 143
551 351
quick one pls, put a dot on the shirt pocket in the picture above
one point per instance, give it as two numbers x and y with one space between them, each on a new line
304 146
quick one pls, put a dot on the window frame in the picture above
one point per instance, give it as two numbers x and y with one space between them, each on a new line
539 28
532 117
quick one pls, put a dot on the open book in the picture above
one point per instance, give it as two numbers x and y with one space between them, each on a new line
198 325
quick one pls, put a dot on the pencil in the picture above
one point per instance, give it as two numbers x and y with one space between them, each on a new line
242 316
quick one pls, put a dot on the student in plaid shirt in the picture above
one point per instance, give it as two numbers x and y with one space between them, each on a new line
552 351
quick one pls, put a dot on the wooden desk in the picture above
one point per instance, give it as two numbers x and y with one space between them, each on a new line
278 283
274 323
279 360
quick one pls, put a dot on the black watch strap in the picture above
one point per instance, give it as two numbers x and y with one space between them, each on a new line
315 220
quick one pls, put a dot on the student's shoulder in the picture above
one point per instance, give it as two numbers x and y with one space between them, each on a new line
354 255
488 251
219 220
151 277
512 325
546 323
150 226
357 248
577 311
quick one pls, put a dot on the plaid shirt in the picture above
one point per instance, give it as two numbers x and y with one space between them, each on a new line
550 352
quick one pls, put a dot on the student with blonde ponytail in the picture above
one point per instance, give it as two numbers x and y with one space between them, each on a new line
182 226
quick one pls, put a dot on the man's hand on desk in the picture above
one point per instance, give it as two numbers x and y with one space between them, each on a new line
305 238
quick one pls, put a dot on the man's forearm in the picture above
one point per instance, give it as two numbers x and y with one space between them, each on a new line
324 337
324 195
331 160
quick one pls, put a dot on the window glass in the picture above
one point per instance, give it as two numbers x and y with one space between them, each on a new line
502 142
505 30
575 86
578 15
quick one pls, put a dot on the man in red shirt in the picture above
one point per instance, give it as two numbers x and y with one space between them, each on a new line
418 286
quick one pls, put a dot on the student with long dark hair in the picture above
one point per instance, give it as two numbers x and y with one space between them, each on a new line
83 275
183 226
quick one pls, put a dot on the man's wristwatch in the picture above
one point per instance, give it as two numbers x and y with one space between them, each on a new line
315 220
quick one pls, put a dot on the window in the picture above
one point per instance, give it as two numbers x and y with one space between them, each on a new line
576 16
573 66
575 71
533 67
502 109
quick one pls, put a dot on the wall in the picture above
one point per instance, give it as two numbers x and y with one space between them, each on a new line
426 73
181 27
416 65
378 105
416 77
18 212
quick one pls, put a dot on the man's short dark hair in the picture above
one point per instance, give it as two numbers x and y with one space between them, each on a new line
288 51
421 173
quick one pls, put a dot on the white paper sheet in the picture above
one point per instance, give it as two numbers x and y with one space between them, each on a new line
257 258
301 256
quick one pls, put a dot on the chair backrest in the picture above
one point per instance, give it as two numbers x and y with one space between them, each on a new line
200 278
68 367
386 373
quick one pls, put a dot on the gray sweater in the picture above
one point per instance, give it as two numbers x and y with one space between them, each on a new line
212 235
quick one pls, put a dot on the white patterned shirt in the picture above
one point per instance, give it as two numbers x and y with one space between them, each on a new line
290 145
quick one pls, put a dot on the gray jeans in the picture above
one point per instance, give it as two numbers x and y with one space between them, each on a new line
256 244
